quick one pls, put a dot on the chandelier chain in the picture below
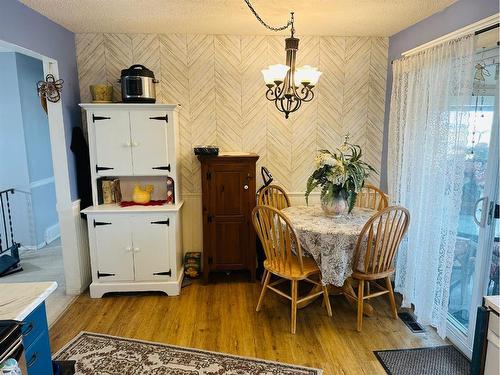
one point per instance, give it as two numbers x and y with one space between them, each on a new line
278 28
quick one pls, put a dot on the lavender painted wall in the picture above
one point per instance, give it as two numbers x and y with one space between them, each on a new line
456 16
24 27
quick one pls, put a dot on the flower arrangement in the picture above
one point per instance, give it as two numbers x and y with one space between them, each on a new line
341 175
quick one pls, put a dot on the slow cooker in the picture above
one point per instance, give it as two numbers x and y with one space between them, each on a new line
138 85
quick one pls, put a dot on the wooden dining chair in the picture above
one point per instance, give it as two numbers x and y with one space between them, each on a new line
374 254
372 198
274 196
284 259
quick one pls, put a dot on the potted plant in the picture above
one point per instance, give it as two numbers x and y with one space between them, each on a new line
341 175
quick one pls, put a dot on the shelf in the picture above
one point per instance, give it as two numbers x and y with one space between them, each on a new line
115 208
152 106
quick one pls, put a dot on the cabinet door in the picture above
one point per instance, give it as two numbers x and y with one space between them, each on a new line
229 206
115 260
149 142
151 239
112 142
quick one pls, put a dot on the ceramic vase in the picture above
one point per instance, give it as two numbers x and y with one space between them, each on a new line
336 205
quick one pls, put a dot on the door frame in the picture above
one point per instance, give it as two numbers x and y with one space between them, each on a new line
76 278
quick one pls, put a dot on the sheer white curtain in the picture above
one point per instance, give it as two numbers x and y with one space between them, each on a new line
427 149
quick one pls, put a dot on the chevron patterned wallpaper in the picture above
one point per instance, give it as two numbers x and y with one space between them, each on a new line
217 80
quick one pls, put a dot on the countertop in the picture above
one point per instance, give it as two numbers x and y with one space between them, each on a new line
18 300
493 302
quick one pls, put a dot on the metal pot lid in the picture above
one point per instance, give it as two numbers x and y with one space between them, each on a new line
137 70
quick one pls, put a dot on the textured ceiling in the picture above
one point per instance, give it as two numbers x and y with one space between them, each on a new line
313 17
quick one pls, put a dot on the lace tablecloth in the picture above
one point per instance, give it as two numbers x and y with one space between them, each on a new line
330 240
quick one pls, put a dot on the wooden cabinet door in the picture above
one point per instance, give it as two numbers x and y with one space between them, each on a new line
229 205
149 131
115 259
151 240
112 142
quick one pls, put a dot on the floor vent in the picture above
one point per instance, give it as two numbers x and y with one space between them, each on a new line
410 322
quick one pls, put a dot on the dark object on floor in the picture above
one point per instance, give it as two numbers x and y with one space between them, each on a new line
206 150
9 248
64 367
82 160
442 360
410 322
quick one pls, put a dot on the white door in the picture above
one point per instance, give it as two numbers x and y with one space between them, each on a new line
115 260
149 142
151 239
112 140
475 266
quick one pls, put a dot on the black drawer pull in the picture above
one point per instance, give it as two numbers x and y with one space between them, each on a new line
98 118
160 118
33 359
163 168
28 331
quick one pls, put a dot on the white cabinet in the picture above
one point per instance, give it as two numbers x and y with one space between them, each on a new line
135 248
114 255
148 131
132 142
112 142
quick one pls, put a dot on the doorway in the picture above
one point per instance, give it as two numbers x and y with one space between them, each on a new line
72 247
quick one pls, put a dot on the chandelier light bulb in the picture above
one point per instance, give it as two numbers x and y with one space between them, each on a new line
268 77
278 72
307 75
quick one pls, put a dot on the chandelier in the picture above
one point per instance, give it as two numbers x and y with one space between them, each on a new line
288 86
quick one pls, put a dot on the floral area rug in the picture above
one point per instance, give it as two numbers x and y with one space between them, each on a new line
108 355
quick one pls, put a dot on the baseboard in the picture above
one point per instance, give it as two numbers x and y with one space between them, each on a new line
52 233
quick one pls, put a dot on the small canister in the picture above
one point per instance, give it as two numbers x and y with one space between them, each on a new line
192 264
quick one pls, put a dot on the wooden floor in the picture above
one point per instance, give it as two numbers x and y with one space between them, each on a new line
221 317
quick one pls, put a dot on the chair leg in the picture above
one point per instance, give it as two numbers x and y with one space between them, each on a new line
263 292
264 276
391 298
326 300
361 287
294 306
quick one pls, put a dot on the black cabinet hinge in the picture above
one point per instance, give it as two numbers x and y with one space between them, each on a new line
160 118
165 222
98 168
99 223
98 118
209 175
163 168
210 218
166 273
210 260
103 274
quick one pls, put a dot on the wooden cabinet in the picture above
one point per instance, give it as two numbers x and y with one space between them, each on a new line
228 185
137 248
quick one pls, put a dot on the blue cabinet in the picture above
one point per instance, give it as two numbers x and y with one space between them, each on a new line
36 342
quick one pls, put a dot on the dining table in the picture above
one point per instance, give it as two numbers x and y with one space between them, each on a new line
331 241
